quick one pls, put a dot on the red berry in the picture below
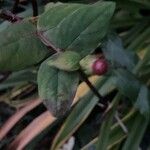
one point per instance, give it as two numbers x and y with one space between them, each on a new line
100 66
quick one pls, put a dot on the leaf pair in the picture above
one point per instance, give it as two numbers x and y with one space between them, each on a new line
76 29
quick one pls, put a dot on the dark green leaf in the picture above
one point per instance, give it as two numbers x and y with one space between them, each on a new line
127 83
117 134
81 111
143 101
77 117
21 47
57 88
68 61
54 15
19 77
135 136
76 27
130 86
105 130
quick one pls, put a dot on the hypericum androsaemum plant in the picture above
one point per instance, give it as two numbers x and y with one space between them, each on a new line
69 43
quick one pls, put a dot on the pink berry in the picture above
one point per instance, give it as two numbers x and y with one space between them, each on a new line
100 66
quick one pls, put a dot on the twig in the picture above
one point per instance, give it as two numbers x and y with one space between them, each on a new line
8 125
85 79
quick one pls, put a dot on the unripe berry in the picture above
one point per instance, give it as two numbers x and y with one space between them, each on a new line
94 65
100 66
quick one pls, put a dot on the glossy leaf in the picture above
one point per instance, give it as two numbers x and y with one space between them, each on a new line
20 48
55 14
68 61
57 88
76 27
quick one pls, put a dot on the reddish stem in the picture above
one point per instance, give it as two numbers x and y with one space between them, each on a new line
9 124
47 42
32 130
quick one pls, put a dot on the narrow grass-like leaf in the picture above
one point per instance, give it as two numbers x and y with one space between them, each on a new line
105 130
138 128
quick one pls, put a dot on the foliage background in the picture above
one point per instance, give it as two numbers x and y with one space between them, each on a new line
124 125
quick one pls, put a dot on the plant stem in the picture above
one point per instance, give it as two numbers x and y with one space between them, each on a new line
47 42
15 6
85 79
35 8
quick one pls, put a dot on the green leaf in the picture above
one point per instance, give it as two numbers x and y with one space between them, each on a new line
117 134
76 27
57 88
19 77
113 50
127 84
105 130
55 13
67 61
144 64
146 59
108 86
143 101
130 86
81 112
21 47
136 134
